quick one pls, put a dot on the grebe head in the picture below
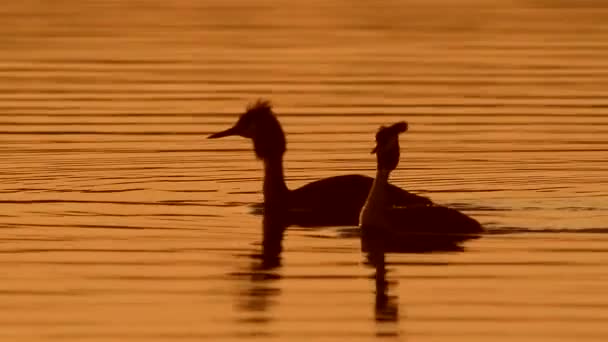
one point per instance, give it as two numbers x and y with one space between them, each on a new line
259 124
387 145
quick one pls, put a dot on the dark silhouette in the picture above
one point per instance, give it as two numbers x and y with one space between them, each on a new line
386 307
261 274
259 294
334 201
415 228
262 288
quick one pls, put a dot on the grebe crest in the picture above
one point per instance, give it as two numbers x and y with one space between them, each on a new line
259 124
387 145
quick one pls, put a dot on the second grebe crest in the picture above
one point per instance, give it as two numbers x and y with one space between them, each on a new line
259 124
387 145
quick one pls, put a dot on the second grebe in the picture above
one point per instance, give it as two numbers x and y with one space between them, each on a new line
333 201
413 228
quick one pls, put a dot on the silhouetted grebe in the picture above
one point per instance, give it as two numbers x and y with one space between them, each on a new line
414 228
333 201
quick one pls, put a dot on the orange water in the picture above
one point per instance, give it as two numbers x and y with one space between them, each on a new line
120 221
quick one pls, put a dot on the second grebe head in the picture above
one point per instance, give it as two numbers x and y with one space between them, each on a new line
259 124
387 145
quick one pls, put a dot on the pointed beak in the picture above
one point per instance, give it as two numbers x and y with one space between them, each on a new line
374 150
230 131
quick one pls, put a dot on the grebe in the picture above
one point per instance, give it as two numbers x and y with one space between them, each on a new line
333 201
413 228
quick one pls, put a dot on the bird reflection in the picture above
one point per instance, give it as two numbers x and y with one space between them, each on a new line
386 309
259 294
386 306
261 291
261 276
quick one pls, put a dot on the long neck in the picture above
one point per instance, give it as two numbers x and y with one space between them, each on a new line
373 213
274 180
378 194
275 207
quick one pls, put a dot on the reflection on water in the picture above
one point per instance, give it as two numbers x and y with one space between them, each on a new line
386 306
120 221
260 293
262 290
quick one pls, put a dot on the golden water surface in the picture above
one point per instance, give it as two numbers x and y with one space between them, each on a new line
120 221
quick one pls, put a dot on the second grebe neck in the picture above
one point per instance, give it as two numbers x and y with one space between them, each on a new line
377 198
387 155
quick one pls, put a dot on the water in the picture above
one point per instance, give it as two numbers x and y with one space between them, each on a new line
120 221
